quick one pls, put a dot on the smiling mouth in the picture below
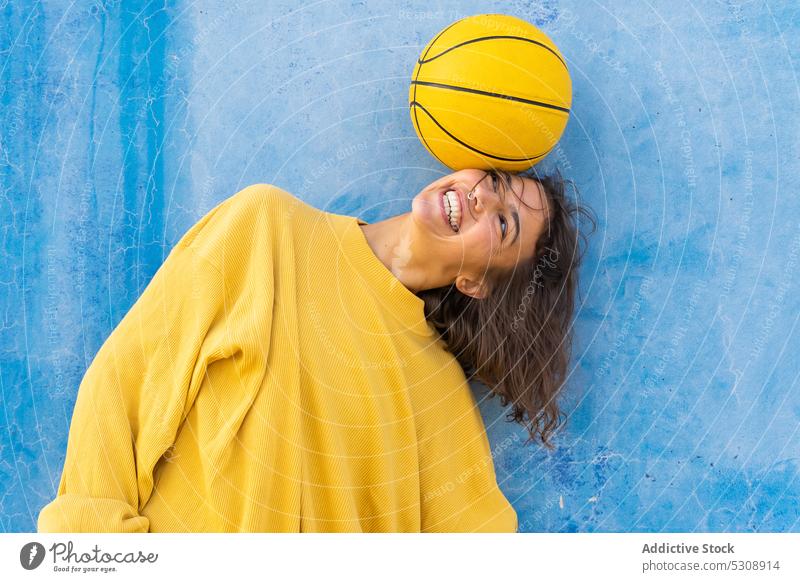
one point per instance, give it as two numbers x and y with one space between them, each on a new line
452 210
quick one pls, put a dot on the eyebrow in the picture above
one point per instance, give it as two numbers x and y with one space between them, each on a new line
516 221
515 214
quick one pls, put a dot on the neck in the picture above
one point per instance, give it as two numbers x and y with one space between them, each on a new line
392 242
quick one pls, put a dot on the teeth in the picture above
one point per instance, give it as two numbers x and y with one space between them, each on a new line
453 208
452 198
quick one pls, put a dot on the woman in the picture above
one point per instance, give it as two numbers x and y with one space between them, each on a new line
293 370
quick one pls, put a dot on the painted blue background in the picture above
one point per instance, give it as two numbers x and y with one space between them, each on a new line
122 125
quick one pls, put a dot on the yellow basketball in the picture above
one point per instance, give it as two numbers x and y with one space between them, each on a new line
490 91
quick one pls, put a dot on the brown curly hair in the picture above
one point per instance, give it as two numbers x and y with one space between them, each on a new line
517 339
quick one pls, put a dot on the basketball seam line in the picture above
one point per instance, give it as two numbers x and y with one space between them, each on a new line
466 145
488 94
419 68
482 38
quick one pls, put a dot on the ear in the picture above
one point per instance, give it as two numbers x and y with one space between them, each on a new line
472 288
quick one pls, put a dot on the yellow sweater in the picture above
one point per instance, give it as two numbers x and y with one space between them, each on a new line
275 376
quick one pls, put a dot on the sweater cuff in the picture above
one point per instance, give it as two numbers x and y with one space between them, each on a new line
70 513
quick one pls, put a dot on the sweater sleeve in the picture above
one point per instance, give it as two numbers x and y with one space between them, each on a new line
460 494
458 487
136 394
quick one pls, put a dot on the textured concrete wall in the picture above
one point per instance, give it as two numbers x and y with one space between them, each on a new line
123 123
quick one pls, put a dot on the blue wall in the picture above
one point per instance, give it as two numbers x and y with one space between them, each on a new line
122 125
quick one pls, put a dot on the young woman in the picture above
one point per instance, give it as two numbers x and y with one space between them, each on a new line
293 370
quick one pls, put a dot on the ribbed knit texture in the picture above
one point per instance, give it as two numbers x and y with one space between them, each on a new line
275 376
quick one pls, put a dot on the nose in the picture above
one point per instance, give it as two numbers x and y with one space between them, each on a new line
484 195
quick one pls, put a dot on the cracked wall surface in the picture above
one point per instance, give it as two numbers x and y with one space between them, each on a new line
121 124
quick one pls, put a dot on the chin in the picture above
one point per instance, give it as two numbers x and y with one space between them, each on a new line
425 212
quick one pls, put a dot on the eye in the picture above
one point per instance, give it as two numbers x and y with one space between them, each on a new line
503 222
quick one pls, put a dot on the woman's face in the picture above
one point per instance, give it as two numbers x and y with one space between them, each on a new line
497 227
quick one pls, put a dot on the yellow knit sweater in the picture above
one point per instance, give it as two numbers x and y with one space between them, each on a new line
275 376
